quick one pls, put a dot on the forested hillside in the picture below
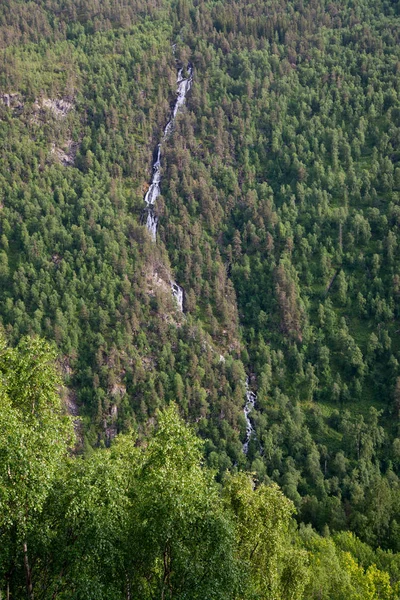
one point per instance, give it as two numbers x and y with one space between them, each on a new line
278 215
149 521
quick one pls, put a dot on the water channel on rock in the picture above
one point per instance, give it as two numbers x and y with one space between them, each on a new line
248 407
183 86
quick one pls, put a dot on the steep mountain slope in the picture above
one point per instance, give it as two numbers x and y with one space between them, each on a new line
278 216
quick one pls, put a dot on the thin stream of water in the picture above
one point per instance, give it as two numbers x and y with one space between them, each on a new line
248 407
184 85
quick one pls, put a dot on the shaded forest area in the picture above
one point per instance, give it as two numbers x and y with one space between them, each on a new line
149 520
279 216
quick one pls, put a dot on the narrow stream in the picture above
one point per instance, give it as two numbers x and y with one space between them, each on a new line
152 194
183 87
248 407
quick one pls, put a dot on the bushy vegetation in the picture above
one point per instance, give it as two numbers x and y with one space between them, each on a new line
279 216
149 520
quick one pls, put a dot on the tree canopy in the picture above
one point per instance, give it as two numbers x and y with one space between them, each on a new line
278 216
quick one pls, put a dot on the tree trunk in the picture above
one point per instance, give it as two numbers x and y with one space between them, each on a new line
28 573
8 586
167 572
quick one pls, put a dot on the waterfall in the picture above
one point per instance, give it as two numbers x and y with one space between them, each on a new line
152 194
177 293
183 86
248 407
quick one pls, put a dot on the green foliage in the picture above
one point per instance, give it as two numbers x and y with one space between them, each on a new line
34 438
337 574
279 216
35 431
150 520
183 538
276 569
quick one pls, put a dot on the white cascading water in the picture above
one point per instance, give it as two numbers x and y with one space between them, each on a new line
248 407
183 86
152 194
177 292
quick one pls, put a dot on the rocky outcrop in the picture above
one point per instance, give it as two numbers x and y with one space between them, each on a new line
66 155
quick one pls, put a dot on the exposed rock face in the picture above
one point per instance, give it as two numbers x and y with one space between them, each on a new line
11 100
117 391
59 107
66 155
14 102
63 152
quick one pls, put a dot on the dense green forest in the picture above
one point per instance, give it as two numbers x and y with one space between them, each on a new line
148 520
279 215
